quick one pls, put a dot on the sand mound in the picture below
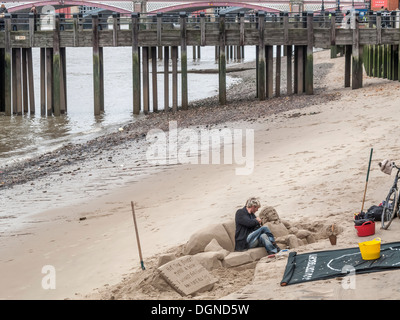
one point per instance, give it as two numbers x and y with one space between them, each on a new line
233 270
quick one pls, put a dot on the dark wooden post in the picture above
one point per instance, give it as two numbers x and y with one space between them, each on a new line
300 69
166 78
357 62
42 81
135 63
75 29
269 71
146 92
222 61
202 29
49 81
7 65
154 77
347 66
174 58
2 83
98 79
24 76
56 67
63 81
241 36
261 57
17 106
278 71
184 80
116 26
309 67
288 49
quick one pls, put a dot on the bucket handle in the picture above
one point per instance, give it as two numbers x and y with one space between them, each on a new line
366 223
377 239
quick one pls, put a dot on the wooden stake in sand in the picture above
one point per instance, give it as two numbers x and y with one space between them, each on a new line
137 236
366 181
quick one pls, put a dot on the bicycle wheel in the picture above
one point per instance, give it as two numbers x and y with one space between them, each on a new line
389 209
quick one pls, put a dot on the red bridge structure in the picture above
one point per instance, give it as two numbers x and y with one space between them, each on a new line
155 6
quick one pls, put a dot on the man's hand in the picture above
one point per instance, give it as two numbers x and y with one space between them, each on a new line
259 220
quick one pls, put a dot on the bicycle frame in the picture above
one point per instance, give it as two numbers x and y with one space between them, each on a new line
394 189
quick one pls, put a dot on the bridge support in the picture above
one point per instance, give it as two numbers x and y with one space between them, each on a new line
98 71
222 61
135 64
289 79
261 76
357 61
184 81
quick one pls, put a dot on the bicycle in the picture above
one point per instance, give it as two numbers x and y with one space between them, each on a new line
391 206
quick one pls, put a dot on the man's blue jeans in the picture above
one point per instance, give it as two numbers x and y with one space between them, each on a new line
262 237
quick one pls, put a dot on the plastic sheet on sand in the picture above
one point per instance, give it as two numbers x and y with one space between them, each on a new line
336 263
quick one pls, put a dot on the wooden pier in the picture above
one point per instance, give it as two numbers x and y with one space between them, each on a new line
297 36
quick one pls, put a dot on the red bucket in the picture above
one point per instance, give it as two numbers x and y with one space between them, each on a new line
366 229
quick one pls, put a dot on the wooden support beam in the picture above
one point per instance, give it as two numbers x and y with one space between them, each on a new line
269 71
135 63
146 91
309 59
7 65
174 57
222 60
116 26
49 81
261 58
30 81
24 76
241 29
184 79
98 73
357 63
278 71
154 78
202 29
347 67
42 81
17 90
2 80
63 81
166 79
56 67
289 73
300 69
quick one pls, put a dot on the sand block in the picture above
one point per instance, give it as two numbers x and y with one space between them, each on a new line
230 228
165 258
237 258
210 260
187 276
214 246
200 239
257 253
278 229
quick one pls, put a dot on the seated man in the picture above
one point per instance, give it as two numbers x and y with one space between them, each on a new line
249 232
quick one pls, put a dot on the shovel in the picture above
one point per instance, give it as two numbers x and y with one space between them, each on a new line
366 182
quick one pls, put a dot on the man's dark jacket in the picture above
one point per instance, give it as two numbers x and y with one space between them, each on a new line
246 223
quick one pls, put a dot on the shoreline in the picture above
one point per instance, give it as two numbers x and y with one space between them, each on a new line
306 146
198 114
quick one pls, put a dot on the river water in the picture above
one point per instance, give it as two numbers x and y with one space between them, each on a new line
25 136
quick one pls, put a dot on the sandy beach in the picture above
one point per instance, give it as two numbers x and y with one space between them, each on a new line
71 209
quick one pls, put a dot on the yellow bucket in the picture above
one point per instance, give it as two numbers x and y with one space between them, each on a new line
370 250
